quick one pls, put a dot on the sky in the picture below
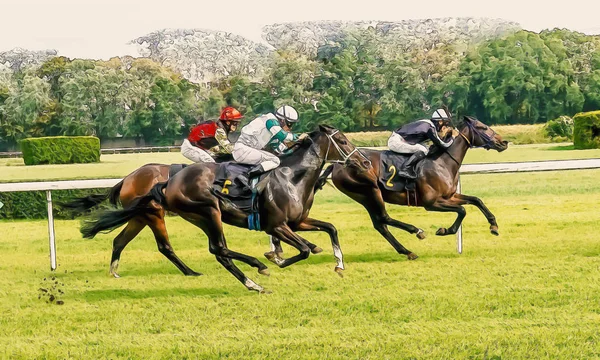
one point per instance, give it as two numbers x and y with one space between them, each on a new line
102 29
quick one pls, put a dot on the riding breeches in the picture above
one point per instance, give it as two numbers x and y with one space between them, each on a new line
246 155
194 153
396 143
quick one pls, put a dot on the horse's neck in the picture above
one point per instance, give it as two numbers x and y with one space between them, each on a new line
456 151
307 163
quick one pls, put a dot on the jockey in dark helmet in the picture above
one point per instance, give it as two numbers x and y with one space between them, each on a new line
209 138
409 138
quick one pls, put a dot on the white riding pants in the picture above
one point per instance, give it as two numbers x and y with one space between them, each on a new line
194 153
396 143
247 155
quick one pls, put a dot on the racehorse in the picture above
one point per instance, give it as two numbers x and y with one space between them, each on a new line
436 184
286 195
134 185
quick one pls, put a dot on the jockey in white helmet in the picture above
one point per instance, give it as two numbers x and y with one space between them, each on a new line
271 130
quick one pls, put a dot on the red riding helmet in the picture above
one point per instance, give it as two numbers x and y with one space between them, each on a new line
231 114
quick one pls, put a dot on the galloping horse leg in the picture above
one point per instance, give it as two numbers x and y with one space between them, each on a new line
448 206
380 218
317 225
277 250
475 201
157 224
125 236
286 234
209 220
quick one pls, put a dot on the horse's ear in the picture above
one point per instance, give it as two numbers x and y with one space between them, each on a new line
467 119
326 128
322 128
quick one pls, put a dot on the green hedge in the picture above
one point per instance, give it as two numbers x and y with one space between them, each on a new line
32 204
586 133
61 150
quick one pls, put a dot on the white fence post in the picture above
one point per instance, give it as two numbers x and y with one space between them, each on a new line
459 238
51 231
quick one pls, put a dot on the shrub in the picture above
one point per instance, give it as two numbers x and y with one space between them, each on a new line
32 204
586 131
60 150
560 129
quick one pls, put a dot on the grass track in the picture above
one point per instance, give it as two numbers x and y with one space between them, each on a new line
533 292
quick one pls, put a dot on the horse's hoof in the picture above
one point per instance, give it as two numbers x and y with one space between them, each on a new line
421 234
265 291
264 272
494 230
316 250
412 256
441 232
339 271
271 256
193 273
115 275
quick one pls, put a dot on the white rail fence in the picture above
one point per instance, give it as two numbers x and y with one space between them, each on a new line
532 166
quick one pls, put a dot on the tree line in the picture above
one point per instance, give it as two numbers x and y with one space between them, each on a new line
354 83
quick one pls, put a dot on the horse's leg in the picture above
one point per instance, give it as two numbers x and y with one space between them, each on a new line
448 206
475 201
317 225
286 234
156 222
250 285
380 219
277 250
130 231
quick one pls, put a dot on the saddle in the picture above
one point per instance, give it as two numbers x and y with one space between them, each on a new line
389 179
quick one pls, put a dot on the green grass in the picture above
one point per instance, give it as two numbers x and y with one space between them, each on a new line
531 293
116 166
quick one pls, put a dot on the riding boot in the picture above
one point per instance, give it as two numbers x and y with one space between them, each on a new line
408 168
255 171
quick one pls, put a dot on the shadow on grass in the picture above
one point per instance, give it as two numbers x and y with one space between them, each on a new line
118 294
561 147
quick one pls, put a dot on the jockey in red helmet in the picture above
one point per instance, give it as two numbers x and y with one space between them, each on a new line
209 138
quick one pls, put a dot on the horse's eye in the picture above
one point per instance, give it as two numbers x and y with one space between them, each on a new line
343 142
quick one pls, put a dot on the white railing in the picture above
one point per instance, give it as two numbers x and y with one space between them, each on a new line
532 166
120 150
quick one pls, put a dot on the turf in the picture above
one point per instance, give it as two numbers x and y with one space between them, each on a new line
532 292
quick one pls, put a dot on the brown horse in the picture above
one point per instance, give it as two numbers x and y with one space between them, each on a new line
285 198
134 185
436 184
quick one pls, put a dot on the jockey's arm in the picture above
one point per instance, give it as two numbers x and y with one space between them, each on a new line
432 134
278 133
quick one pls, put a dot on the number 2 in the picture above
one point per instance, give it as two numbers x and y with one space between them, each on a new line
391 169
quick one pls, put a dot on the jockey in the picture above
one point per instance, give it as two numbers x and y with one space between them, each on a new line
409 138
209 138
271 130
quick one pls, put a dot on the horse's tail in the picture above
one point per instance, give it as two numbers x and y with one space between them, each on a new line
322 180
82 204
109 220
113 195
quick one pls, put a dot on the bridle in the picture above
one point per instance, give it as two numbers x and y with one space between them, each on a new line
488 140
341 152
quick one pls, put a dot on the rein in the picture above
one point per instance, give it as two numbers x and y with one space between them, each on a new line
340 151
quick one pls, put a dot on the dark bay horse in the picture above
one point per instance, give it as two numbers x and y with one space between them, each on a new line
436 184
285 198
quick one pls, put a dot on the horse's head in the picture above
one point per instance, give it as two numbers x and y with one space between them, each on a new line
478 134
338 148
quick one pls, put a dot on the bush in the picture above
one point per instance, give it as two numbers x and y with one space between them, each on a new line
32 204
586 131
560 129
61 150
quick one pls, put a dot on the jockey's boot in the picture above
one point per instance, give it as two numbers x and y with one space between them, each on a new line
255 171
408 168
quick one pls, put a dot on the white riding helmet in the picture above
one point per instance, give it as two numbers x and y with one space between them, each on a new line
287 113
440 114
